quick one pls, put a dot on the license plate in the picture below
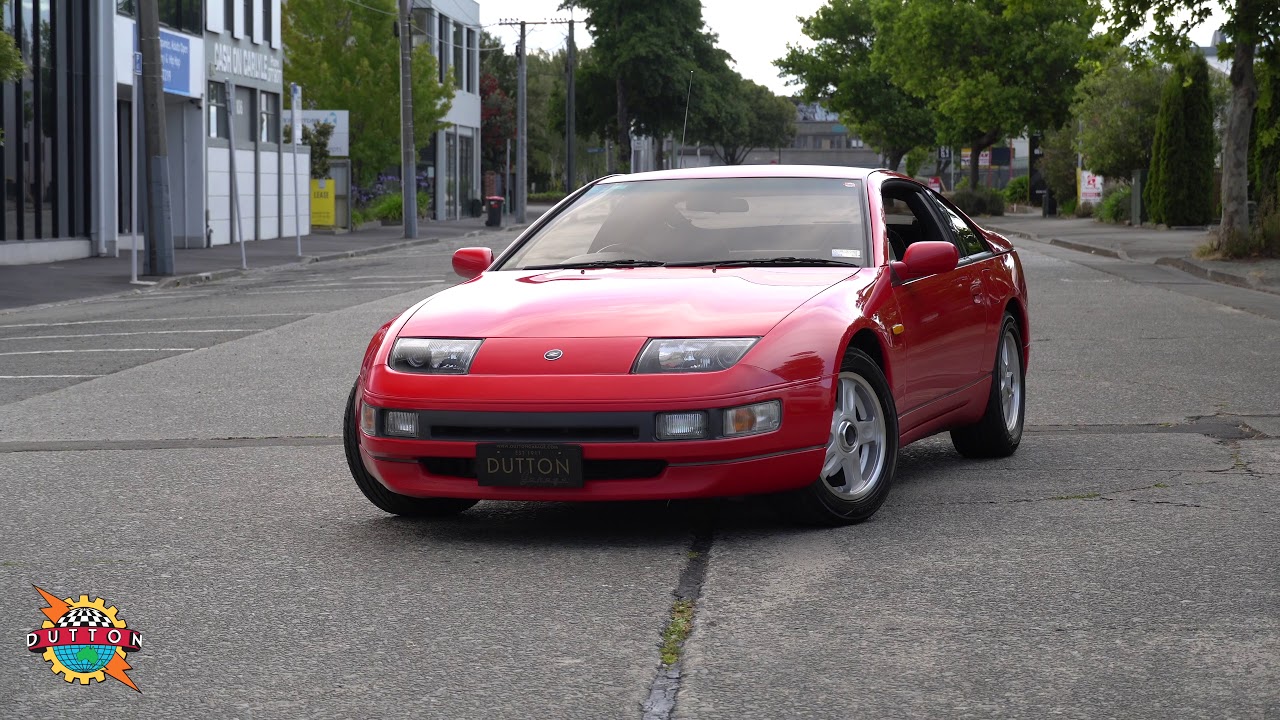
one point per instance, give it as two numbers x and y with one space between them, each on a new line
529 465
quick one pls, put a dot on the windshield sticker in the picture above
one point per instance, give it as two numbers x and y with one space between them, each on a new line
851 184
845 253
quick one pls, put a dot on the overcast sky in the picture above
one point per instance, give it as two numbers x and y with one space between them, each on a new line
755 33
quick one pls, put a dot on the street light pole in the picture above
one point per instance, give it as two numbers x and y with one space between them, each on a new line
159 220
408 163
522 131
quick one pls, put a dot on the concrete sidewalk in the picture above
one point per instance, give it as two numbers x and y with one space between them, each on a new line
1174 248
70 280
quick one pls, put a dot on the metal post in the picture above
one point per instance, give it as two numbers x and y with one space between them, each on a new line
237 230
295 127
159 220
506 183
684 133
408 163
571 129
133 164
522 131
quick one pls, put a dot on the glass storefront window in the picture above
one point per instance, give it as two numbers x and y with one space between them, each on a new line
245 115
457 55
45 121
467 175
269 118
217 103
184 15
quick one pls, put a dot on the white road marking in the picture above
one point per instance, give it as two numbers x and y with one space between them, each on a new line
153 320
299 292
122 334
26 377
398 277
95 350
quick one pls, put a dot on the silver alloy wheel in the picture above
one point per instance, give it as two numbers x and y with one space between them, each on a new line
857 445
1009 374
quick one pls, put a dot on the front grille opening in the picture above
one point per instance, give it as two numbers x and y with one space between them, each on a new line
591 469
501 434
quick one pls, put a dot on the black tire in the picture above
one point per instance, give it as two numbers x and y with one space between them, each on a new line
394 503
996 435
825 503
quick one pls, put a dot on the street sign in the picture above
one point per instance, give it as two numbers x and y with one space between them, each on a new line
935 183
137 64
594 150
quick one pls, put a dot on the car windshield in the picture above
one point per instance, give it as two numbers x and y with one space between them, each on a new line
802 221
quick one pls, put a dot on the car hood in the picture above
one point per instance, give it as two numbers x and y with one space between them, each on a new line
626 302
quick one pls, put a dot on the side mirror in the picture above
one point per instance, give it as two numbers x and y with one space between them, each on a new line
470 262
926 258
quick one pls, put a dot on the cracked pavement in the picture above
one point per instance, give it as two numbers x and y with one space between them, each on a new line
1122 564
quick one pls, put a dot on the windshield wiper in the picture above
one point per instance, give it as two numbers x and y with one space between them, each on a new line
787 260
597 264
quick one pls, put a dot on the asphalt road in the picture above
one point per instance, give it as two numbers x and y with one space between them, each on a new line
177 454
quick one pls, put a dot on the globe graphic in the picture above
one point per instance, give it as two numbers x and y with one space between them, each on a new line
84 658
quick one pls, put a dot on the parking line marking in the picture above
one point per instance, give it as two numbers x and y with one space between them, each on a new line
95 350
166 319
123 334
26 377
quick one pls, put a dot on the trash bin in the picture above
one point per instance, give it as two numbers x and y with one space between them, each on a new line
494 203
1049 206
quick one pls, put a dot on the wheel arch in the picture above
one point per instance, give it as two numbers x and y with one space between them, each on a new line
1015 308
869 342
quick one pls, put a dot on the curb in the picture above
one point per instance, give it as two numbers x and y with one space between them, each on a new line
1217 276
1092 250
216 275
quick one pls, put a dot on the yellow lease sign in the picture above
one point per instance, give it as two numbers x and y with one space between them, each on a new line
322 202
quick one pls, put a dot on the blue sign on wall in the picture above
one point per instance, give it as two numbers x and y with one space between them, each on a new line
175 61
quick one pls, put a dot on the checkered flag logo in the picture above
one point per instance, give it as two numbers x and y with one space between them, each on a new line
83 617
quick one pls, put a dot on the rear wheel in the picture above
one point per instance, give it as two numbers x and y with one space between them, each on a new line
999 431
862 449
379 495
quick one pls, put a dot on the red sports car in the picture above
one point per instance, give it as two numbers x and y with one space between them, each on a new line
696 333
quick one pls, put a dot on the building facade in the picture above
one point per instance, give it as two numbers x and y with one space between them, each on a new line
73 150
449 167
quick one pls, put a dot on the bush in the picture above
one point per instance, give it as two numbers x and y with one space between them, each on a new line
1084 210
553 196
1018 190
982 201
1116 205
1262 240
1067 207
390 208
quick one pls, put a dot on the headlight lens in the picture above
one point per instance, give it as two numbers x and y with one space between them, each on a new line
666 355
437 356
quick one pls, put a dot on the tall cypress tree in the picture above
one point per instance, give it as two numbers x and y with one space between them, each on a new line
1180 187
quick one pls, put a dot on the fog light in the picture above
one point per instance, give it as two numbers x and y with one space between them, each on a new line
368 419
682 426
401 423
752 419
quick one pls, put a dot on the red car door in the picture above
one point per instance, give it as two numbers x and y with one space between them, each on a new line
943 318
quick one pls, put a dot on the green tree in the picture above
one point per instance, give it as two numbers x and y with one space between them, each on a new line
837 72
1180 185
346 56
987 68
317 136
12 68
740 117
1250 25
1264 168
648 51
1058 161
1116 108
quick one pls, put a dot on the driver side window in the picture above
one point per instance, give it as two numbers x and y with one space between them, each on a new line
908 219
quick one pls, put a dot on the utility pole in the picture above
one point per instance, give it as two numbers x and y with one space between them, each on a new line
521 194
159 222
522 129
570 125
408 155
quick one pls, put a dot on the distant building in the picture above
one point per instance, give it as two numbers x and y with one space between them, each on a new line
450 165
820 139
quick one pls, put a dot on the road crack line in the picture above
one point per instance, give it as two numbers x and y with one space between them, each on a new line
663 691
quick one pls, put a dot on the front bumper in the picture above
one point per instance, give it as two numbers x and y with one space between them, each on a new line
442 464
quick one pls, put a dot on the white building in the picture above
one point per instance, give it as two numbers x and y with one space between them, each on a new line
450 166
70 195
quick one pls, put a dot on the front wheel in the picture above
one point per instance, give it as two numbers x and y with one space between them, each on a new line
999 431
862 449
392 502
